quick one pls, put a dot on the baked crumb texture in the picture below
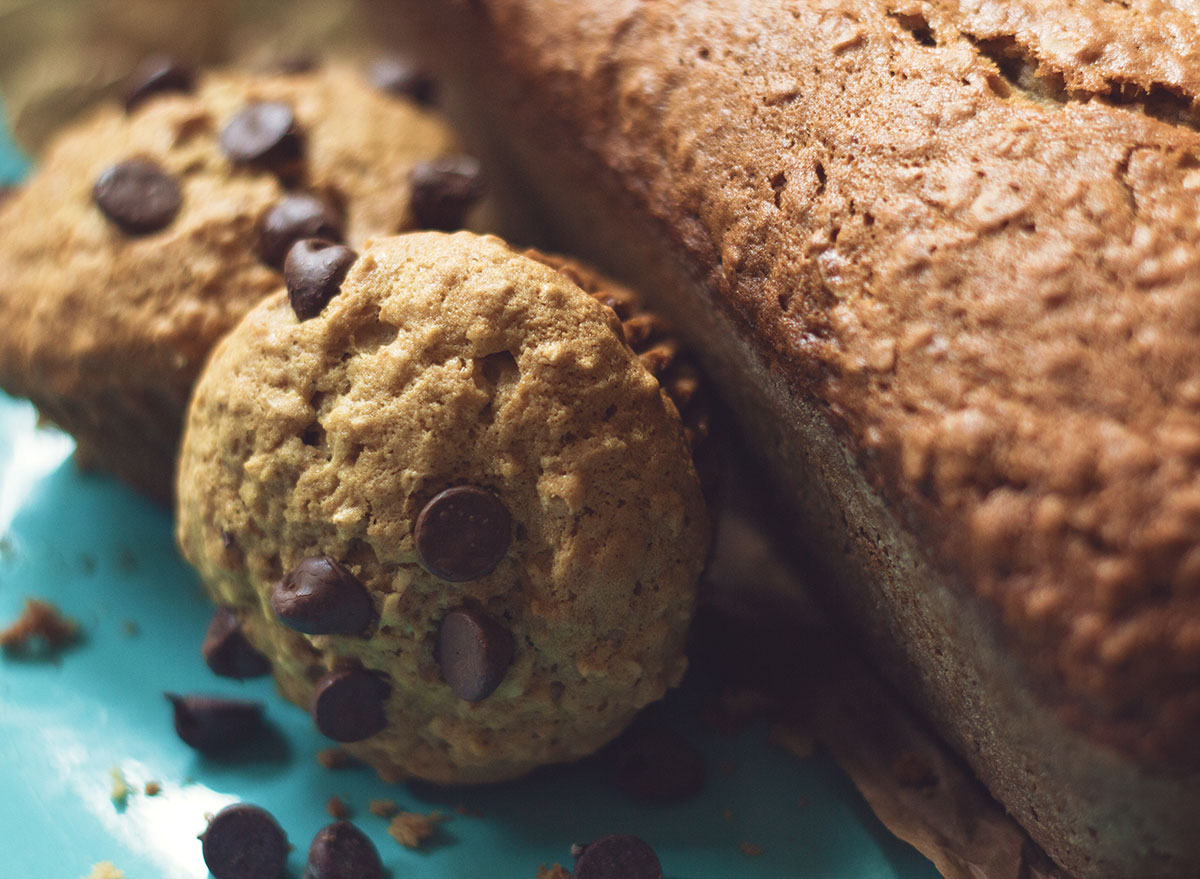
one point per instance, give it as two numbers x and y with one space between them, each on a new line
105 870
414 829
40 629
554 871
982 255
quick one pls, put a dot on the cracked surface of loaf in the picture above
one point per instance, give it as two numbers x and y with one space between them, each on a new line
957 244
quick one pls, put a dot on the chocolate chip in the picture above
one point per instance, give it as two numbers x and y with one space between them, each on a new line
212 725
402 77
314 271
264 133
658 766
158 74
473 652
462 533
320 597
617 857
227 651
347 705
294 218
138 196
244 842
443 190
342 851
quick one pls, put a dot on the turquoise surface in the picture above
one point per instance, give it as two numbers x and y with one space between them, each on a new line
106 557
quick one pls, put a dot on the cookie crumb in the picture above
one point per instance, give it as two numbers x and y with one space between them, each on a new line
383 808
554 871
750 849
120 788
412 829
131 628
105 870
152 789
467 811
39 621
335 758
337 808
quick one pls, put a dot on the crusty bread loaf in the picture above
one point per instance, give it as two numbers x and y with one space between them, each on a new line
944 260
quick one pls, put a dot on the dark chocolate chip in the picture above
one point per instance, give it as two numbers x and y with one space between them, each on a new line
320 597
658 766
294 218
314 271
138 196
211 724
462 533
617 857
342 851
227 651
402 77
443 190
473 652
264 133
347 705
244 842
158 74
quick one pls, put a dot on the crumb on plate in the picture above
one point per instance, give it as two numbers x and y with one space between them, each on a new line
120 788
105 870
554 871
337 808
39 621
383 808
413 829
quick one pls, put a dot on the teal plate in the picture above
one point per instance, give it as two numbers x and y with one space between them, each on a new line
107 558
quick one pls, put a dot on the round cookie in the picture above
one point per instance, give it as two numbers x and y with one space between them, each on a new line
463 435
146 233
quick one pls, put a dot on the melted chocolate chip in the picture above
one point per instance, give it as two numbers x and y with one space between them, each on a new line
227 651
265 134
138 196
212 725
658 766
342 851
462 533
244 842
320 597
347 705
314 271
617 857
157 75
474 653
294 218
443 190
402 77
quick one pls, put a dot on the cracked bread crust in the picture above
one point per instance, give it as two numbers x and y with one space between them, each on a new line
1013 361
916 246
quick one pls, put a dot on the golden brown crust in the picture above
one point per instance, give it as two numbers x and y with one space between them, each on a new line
1013 361
106 332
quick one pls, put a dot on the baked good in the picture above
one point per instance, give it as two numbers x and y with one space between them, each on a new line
944 260
449 505
146 232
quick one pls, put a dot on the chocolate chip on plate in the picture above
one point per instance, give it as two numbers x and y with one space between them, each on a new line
462 533
227 651
158 74
474 653
264 133
244 842
211 724
137 195
294 218
347 705
443 190
320 597
402 77
313 272
658 766
342 851
617 857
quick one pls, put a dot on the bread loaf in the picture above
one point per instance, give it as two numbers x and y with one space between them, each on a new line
943 258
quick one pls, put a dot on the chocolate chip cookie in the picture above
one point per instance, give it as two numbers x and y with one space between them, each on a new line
150 229
448 503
